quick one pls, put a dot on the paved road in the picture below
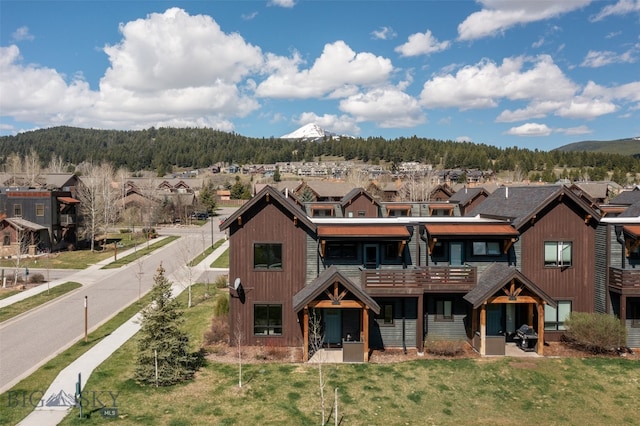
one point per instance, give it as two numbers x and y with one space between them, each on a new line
28 341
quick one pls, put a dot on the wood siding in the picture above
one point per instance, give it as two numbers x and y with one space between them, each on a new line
271 224
600 285
361 203
575 283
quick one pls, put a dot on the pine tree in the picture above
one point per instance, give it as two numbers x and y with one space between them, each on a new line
160 334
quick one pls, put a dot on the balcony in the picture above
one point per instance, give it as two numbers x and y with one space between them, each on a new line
428 279
625 281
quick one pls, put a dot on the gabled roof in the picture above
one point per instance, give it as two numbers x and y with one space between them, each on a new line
311 291
326 189
356 192
521 203
466 195
273 195
497 276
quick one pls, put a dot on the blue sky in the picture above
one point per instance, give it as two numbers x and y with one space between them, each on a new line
533 74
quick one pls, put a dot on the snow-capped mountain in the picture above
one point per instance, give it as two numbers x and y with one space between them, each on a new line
309 132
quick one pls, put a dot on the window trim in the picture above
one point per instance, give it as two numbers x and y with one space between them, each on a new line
269 265
269 326
17 210
559 247
484 250
556 324
40 209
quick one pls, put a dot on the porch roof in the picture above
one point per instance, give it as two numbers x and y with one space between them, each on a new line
472 229
20 223
632 230
391 231
495 277
68 200
322 282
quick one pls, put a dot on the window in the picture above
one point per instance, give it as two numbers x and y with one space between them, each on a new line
339 250
362 213
392 251
6 240
557 254
385 317
444 310
322 212
554 318
486 248
17 210
438 251
39 209
267 320
267 256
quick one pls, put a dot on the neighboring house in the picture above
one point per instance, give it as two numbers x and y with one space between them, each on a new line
560 247
35 210
623 282
467 198
528 255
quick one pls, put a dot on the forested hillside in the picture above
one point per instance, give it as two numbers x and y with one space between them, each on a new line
167 148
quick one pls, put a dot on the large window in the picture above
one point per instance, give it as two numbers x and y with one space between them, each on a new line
267 256
39 209
386 314
554 318
17 210
486 248
444 310
267 320
557 254
341 250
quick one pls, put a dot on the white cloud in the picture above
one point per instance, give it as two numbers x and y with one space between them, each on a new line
342 125
580 130
484 84
21 34
623 7
249 16
595 59
388 107
384 33
421 44
282 3
168 69
40 95
497 16
530 129
362 69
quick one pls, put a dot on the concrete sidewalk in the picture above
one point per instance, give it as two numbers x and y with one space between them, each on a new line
59 398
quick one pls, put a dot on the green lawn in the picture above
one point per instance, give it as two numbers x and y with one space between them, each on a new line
36 300
222 261
485 391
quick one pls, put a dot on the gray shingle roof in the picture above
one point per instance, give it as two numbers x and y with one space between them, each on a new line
520 203
494 278
626 198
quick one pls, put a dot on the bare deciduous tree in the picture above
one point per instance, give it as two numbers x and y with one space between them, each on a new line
97 197
32 168
56 164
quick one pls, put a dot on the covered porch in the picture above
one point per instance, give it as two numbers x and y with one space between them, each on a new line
334 316
504 304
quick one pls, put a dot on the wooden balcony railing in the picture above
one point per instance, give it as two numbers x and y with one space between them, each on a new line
429 278
624 279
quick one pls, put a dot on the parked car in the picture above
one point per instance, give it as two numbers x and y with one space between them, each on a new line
199 216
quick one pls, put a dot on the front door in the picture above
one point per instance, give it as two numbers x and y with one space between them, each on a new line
332 326
494 319
370 256
456 258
